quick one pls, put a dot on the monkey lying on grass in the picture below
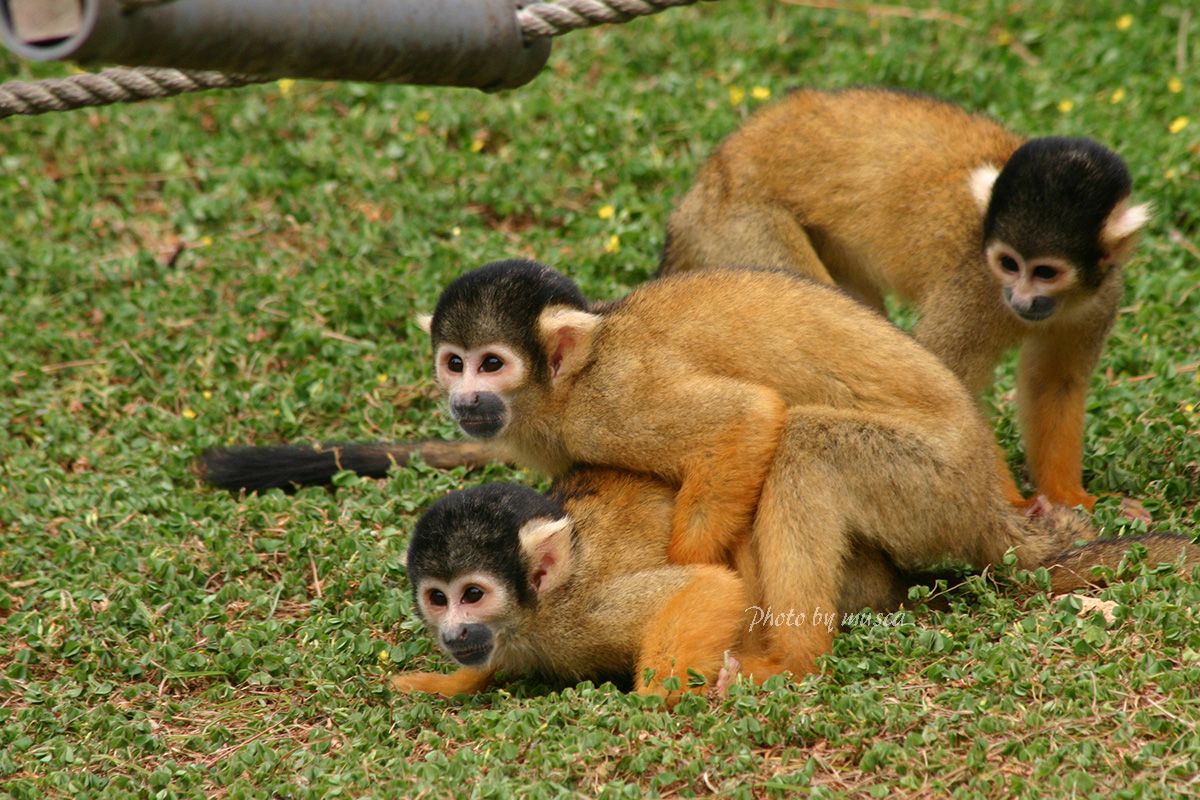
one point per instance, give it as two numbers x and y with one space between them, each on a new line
576 585
707 379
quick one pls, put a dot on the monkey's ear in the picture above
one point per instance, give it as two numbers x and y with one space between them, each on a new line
426 322
980 181
1121 229
1123 223
566 335
547 544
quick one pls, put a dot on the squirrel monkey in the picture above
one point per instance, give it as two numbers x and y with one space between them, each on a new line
571 586
998 241
690 378
576 585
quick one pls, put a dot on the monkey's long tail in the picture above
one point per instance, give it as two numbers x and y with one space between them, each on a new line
287 467
1052 539
1071 570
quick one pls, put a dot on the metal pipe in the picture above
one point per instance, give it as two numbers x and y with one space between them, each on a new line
430 42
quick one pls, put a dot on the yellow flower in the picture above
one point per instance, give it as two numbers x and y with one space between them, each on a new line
1117 96
760 93
1178 124
285 86
384 657
606 212
381 378
476 145
1004 38
613 245
1189 408
1175 86
1065 106
1170 174
736 95
206 241
208 395
1124 22
188 413
421 116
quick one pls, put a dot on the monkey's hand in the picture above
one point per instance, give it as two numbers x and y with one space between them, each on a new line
464 681
1134 511
1129 509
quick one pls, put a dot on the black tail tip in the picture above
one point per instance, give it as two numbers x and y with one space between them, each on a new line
257 469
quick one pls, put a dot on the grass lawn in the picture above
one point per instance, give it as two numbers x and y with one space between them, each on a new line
247 266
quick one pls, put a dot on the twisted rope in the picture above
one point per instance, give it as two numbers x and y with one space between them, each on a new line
554 19
115 85
122 85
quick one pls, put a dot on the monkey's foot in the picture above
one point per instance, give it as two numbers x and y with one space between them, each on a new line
727 676
1038 506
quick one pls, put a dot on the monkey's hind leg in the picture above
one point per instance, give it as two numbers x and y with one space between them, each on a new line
463 681
844 479
693 630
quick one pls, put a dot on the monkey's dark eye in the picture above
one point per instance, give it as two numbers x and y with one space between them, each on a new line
437 598
454 364
491 363
1009 264
472 594
1044 273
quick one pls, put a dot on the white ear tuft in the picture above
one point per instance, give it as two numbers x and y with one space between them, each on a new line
426 322
980 181
1125 221
547 542
566 335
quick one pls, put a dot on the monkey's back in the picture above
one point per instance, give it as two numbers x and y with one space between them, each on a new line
877 178
813 344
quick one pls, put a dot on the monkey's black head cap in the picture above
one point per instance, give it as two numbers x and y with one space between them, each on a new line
501 302
1053 197
477 530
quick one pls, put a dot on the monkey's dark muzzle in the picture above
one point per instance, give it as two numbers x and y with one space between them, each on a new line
469 645
482 416
1039 308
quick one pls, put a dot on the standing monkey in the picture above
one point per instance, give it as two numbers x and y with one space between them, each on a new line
997 241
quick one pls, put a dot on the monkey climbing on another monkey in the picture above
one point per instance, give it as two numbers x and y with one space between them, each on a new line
740 390
997 240
691 379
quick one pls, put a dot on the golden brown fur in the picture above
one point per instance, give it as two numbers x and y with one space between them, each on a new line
870 189
681 381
